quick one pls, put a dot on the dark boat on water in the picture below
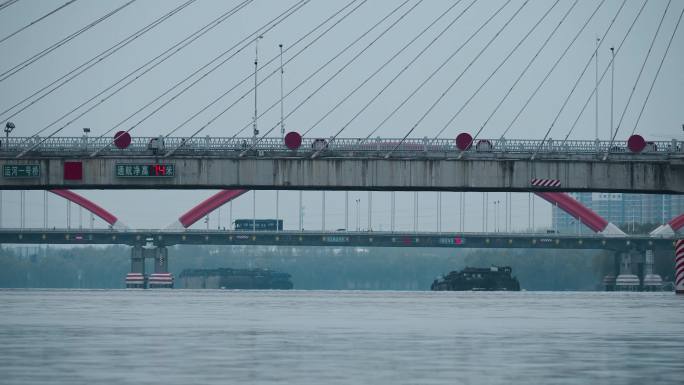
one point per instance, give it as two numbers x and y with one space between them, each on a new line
226 278
478 279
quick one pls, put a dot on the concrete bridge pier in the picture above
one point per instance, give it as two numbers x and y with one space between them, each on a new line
161 278
136 278
627 280
609 280
651 282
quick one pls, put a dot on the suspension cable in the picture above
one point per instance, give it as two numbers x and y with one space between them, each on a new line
641 70
275 71
579 78
258 34
170 51
555 64
648 95
38 20
529 64
311 75
91 62
435 71
591 95
572 128
453 83
7 4
612 60
407 66
380 68
26 63
216 67
491 75
369 45
377 95
249 91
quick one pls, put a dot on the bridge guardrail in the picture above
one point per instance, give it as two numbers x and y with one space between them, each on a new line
228 145
328 232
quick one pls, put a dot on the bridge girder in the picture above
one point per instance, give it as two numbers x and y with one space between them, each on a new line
356 173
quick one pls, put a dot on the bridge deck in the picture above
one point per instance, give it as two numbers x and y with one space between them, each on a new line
344 164
333 239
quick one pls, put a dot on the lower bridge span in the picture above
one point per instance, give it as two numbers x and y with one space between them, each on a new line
333 239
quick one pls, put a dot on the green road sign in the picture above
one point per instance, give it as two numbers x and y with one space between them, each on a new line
21 170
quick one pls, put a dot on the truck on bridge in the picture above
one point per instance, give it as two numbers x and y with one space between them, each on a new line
258 224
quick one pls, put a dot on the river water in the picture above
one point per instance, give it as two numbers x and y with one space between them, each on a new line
333 337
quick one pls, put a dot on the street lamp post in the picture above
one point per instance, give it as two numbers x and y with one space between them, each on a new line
596 95
86 131
346 210
439 212
255 131
612 89
497 203
323 211
9 126
282 74
370 210
301 212
392 215
358 223
415 211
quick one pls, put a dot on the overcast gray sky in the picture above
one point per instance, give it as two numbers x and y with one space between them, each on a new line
662 119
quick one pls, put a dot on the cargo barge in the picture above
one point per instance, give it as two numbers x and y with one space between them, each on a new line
227 278
478 279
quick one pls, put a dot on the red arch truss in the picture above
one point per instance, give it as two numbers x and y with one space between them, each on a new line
677 222
575 209
581 212
564 201
671 227
205 207
90 206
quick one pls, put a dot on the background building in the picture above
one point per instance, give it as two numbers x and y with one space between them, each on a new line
630 212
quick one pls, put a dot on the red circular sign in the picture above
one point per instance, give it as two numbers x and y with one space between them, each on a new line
636 143
122 139
463 141
293 140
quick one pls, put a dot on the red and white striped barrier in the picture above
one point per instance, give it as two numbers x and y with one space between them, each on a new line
160 280
679 266
135 280
542 182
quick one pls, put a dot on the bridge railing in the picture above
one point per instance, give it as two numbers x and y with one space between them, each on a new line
151 231
324 146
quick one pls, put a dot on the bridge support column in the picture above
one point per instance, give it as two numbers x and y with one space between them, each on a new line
651 282
679 266
136 278
626 281
161 278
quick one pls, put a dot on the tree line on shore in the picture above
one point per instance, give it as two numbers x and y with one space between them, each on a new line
313 267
